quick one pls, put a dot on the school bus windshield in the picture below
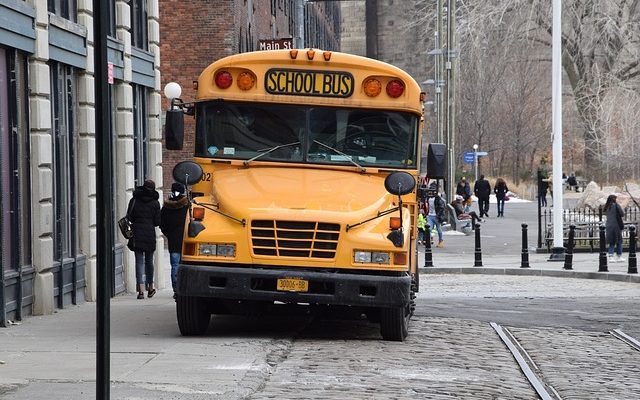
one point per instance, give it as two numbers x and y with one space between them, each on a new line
306 134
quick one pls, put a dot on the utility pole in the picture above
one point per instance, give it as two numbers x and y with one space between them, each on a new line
299 38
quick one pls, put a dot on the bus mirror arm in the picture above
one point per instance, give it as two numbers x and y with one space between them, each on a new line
178 103
396 236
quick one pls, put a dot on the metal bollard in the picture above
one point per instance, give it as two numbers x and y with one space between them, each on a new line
525 248
633 262
568 255
428 256
602 265
478 254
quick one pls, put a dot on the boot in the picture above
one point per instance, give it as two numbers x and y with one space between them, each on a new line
140 291
441 243
151 291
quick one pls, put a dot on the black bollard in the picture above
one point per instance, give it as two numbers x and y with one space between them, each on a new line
633 262
602 265
428 256
568 255
478 254
525 248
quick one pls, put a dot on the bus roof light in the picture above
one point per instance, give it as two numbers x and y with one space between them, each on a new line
246 80
326 55
310 54
223 79
395 88
293 53
394 223
372 87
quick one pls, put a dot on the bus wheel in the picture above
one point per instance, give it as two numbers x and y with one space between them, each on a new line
193 315
394 323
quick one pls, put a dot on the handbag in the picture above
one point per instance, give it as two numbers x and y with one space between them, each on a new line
125 224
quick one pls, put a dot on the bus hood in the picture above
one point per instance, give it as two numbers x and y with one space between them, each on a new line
299 189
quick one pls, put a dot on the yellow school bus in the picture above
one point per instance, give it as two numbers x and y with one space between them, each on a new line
302 188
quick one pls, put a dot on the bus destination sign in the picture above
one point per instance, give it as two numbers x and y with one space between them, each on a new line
299 82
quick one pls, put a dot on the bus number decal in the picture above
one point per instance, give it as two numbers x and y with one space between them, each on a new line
206 177
309 83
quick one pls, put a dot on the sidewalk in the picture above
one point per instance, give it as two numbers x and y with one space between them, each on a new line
501 243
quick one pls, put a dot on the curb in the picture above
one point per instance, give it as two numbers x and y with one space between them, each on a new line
607 276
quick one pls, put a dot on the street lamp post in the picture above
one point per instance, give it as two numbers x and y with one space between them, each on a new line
475 160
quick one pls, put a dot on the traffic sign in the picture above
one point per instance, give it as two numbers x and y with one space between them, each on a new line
482 153
469 157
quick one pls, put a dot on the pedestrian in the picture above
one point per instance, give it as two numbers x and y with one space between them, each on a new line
422 224
144 214
463 188
435 212
458 208
172 217
482 190
500 190
614 227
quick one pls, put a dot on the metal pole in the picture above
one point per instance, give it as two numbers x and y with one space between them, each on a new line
371 27
299 39
633 262
428 256
475 163
525 248
568 256
602 265
556 99
477 262
104 212
539 210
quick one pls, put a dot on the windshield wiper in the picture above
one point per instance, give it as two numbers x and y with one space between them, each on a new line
348 157
246 162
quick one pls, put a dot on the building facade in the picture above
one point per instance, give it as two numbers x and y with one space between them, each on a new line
194 34
48 146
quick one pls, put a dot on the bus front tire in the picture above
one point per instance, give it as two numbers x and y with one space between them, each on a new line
394 323
193 315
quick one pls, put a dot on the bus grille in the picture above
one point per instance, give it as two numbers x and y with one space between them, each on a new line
294 238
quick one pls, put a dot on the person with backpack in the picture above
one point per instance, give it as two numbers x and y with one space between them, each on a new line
172 217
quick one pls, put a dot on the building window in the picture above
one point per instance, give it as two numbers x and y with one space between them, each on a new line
139 24
15 190
63 106
64 8
140 135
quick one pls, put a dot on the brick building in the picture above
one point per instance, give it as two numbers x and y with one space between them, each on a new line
48 145
196 33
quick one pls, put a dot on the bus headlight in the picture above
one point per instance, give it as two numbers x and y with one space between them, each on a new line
206 249
226 250
371 257
220 250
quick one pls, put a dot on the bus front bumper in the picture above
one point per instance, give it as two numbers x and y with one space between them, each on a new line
330 288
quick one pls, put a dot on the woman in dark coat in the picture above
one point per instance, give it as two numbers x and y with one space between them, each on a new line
144 214
172 216
614 227
500 189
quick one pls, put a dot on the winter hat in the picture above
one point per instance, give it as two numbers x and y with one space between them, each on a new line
149 184
177 190
458 197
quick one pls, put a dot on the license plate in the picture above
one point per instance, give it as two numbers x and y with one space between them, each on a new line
293 285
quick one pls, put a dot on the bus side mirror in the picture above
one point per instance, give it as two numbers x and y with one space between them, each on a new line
174 129
436 161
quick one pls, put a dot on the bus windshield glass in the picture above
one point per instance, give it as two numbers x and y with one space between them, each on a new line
306 134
